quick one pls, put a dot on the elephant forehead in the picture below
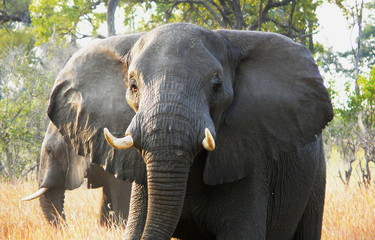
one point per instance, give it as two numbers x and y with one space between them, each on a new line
179 42
172 34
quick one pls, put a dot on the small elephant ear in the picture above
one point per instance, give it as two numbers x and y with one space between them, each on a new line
89 95
279 103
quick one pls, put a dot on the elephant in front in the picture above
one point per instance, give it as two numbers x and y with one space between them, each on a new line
226 126
62 169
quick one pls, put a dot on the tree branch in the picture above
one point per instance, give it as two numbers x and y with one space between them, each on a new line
205 4
18 17
290 21
27 172
263 13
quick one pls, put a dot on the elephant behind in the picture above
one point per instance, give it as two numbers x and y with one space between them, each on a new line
62 169
227 127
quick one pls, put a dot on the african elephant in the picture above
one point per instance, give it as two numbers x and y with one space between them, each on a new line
227 125
62 169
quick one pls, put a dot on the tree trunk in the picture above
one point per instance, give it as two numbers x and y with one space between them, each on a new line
9 159
112 5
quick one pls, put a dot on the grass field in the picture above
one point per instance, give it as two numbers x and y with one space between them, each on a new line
349 214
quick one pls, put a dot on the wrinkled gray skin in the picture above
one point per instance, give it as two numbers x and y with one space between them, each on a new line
260 95
116 195
62 169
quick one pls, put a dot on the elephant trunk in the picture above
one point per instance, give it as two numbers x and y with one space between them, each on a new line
138 212
52 203
166 193
168 147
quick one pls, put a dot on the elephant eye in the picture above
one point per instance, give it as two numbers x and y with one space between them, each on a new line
216 83
133 85
216 87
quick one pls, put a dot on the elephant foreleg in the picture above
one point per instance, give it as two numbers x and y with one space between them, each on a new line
310 225
105 210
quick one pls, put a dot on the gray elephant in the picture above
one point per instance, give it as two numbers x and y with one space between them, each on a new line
62 169
227 125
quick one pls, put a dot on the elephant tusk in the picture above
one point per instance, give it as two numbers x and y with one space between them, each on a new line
118 143
37 194
208 142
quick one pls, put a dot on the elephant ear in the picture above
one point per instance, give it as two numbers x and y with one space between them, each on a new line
89 95
280 104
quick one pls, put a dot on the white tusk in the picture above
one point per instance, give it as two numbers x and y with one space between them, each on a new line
119 143
37 194
208 142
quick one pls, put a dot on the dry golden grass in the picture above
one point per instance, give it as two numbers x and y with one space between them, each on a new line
349 214
25 220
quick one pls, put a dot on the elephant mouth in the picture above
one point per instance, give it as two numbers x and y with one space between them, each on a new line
127 141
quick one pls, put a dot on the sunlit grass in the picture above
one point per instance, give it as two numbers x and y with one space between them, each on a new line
349 214
24 220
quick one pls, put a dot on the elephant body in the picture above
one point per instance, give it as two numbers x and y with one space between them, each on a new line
222 130
261 211
62 169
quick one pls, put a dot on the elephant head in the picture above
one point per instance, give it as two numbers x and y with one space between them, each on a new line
231 97
62 169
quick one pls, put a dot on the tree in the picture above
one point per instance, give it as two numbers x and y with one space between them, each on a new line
21 112
366 121
363 95
357 113
111 9
25 83
14 11
61 17
293 18
342 134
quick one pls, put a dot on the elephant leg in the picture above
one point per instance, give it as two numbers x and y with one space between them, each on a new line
241 210
105 210
242 228
310 225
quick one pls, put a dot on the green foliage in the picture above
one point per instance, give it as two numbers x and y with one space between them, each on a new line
13 12
297 21
368 87
12 39
26 79
353 128
356 102
61 17
21 109
366 98
368 44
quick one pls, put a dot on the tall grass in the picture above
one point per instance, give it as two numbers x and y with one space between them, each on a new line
349 214
25 220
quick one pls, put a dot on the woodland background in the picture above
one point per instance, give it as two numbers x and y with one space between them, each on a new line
37 37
